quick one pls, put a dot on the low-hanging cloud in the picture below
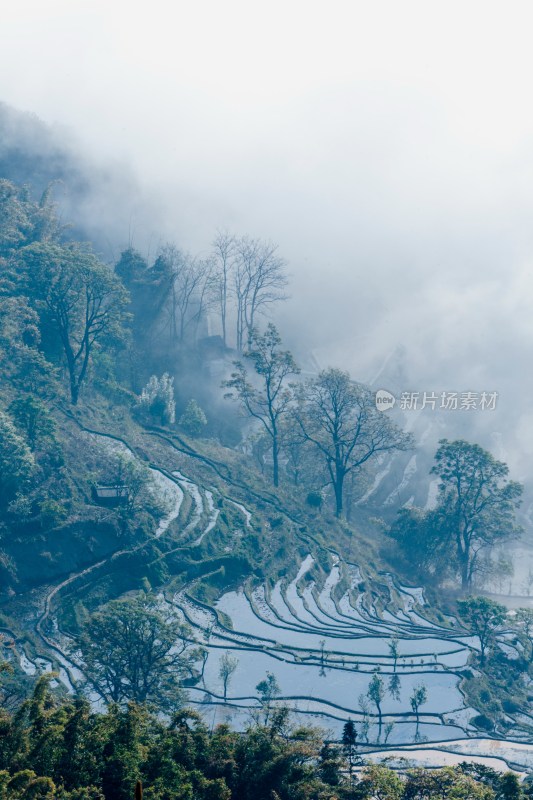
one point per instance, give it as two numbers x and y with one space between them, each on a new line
387 148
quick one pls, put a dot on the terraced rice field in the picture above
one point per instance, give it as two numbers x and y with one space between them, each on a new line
324 644
324 652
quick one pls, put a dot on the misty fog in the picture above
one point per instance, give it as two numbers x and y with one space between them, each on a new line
266 431
386 147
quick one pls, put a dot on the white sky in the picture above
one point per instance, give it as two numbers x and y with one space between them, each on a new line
387 146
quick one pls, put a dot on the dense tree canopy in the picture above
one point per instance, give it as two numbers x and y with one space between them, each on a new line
475 509
24 221
485 618
477 499
132 650
16 460
62 750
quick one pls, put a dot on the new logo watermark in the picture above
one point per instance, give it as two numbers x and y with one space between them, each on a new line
445 401
384 400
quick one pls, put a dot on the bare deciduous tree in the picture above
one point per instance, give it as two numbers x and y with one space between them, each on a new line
259 280
223 262
188 295
339 417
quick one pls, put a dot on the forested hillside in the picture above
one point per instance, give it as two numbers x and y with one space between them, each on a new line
194 592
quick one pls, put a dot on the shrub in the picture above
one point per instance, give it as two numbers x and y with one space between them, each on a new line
193 420
511 706
157 398
314 500
483 722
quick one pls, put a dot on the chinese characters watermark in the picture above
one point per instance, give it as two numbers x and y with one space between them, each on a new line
446 401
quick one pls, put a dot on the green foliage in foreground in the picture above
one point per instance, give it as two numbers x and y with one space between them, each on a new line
51 749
